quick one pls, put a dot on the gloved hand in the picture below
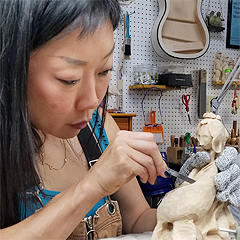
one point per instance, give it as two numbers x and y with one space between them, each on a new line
227 180
198 160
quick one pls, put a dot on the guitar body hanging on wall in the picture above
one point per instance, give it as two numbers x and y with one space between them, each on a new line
180 31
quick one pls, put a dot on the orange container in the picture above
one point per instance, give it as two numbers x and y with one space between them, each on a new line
155 128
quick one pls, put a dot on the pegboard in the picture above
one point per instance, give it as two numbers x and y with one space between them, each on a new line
175 122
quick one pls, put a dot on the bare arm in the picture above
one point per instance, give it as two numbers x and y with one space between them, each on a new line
128 155
137 215
59 217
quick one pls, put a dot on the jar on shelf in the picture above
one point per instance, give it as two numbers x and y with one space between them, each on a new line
226 74
145 74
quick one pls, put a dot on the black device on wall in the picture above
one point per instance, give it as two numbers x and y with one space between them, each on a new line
233 24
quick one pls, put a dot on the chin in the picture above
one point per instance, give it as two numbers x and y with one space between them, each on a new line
71 135
66 135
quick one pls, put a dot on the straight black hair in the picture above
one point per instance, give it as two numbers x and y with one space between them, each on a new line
25 26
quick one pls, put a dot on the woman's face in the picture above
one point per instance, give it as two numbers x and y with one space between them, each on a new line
68 78
204 137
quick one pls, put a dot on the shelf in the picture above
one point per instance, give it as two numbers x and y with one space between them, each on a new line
148 86
222 83
123 114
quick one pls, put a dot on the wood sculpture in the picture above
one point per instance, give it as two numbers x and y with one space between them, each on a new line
217 71
191 211
224 67
180 31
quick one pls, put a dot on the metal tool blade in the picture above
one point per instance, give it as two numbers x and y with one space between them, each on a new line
179 175
189 119
227 230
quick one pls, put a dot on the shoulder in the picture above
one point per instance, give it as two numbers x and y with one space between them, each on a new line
111 127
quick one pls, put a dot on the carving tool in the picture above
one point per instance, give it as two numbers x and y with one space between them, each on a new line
181 176
235 232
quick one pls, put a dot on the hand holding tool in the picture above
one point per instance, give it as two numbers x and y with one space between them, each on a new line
181 176
198 160
185 101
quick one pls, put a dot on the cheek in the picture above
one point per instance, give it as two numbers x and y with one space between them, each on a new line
102 88
205 141
44 98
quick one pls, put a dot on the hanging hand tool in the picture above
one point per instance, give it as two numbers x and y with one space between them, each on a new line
127 40
235 102
185 101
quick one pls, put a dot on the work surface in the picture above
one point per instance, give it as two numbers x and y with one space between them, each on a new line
143 236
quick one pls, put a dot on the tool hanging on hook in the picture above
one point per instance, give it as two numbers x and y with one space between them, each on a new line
185 101
127 40
235 102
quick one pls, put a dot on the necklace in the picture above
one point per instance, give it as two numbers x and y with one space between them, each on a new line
77 154
51 167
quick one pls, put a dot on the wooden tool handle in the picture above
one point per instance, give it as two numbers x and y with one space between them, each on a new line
233 133
181 141
172 140
153 117
235 127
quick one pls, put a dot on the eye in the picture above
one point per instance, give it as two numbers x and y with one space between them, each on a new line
105 73
68 82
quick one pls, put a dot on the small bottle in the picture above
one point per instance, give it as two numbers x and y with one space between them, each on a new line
226 74
186 153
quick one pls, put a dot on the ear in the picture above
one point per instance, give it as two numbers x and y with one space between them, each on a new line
218 144
220 135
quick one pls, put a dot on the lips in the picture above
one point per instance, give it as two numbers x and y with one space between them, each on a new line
80 125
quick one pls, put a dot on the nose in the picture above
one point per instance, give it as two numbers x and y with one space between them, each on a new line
87 95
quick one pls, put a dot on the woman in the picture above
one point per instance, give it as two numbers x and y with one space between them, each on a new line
56 58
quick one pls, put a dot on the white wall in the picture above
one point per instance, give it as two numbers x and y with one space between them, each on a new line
174 116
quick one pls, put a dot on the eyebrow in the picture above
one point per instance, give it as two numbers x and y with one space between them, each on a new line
80 62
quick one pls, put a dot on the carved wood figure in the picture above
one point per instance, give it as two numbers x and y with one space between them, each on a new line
224 67
231 64
192 211
217 70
